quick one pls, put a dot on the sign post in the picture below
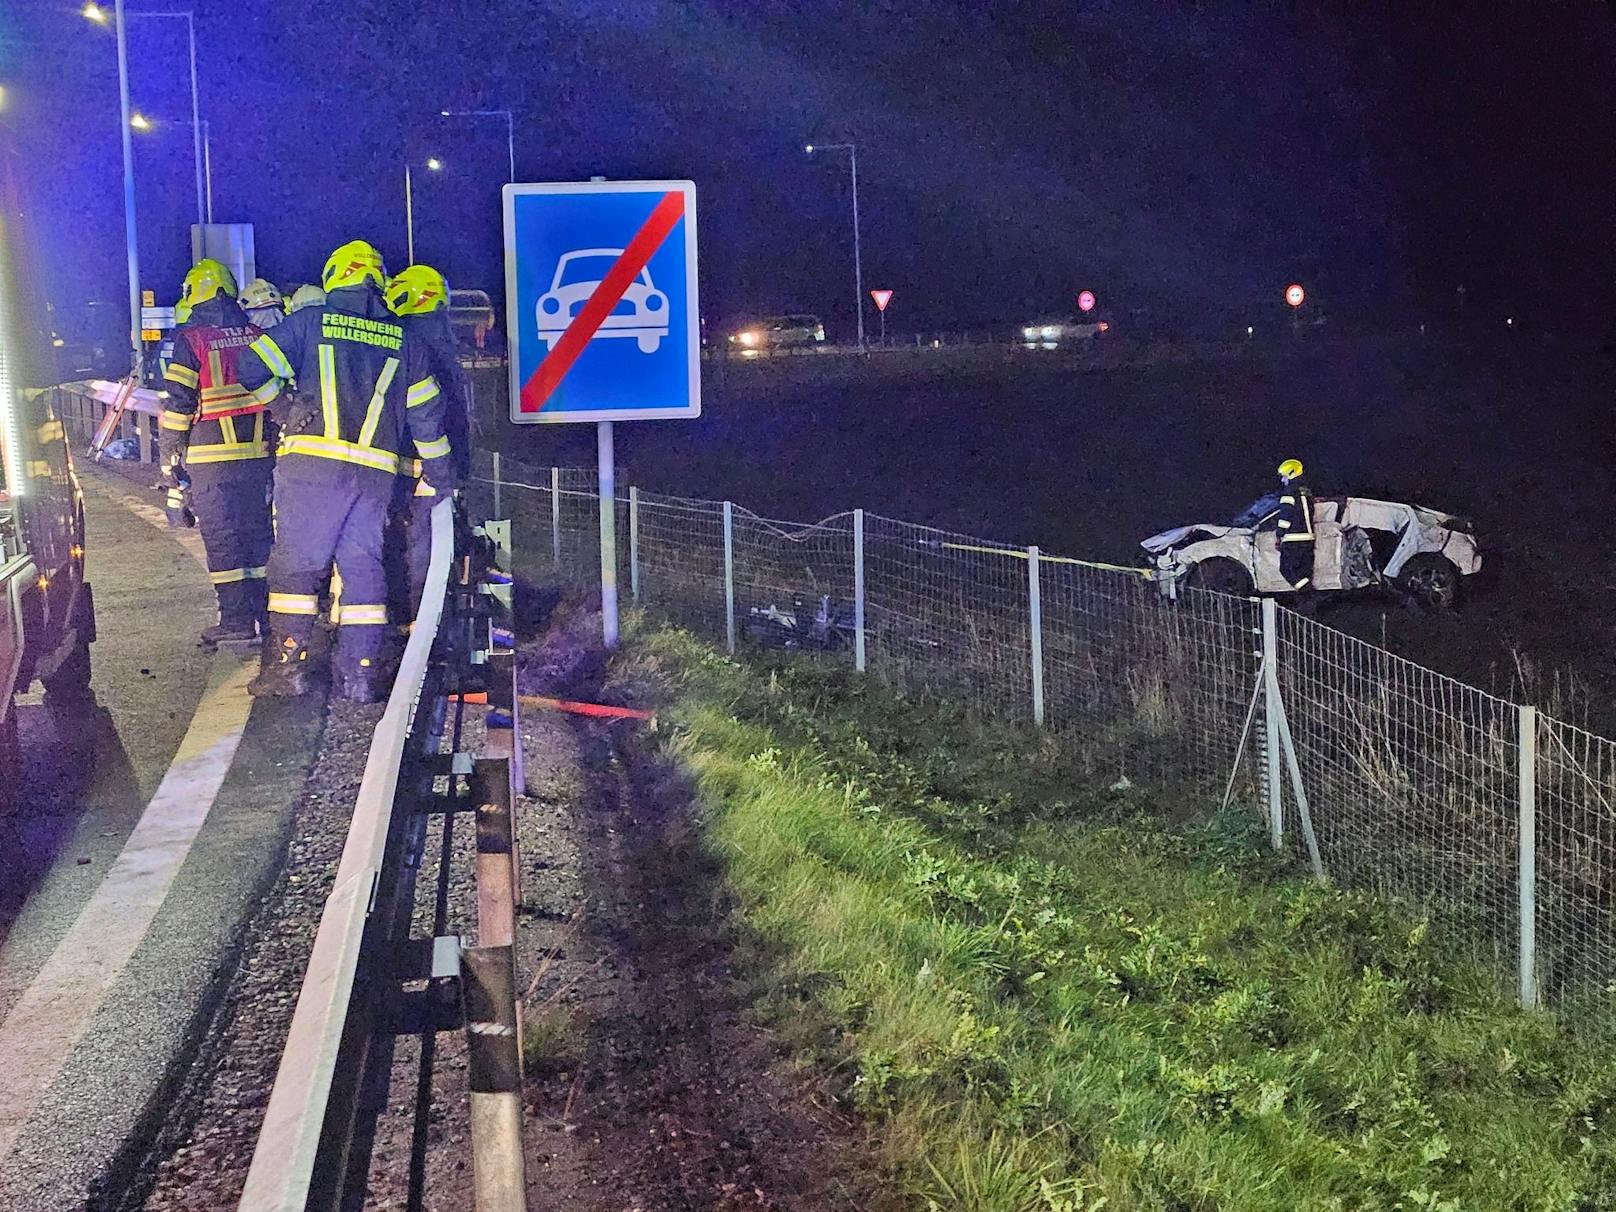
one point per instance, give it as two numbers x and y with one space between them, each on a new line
602 319
1085 301
882 298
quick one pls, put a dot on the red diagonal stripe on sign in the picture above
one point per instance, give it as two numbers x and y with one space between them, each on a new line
665 216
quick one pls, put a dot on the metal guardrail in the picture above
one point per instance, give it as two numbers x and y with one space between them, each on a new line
313 1148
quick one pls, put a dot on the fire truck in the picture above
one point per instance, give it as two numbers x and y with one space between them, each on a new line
47 614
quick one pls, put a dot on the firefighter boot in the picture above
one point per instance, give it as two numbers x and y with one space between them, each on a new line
284 672
360 681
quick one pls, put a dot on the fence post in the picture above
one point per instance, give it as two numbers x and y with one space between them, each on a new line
1270 672
634 543
1035 628
729 576
1527 778
858 590
497 512
555 513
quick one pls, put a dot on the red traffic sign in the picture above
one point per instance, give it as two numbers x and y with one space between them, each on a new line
1085 301
882 298
1294 294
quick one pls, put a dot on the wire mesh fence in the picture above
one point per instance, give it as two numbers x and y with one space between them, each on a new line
1498 821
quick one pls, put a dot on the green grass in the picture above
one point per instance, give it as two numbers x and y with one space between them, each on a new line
1053 998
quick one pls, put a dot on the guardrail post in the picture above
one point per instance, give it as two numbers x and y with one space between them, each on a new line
143 433
555 513
634 543
858 590
498 513
1270 673
1527 781
1035 627
729 576
494 1073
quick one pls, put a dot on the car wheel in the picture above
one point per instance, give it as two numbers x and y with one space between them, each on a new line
1220 575
649 342
1430 581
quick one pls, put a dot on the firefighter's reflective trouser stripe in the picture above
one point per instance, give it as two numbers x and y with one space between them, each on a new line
231 502
326 512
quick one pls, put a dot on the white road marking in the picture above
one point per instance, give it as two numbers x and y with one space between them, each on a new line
38 1035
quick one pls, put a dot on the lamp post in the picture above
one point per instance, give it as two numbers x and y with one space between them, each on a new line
510 127
858 261
98 14
433 165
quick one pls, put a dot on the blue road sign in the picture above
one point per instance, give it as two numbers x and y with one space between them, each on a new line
600 301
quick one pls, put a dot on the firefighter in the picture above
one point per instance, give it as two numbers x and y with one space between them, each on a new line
364 396
1296 538
263 304
307 295
214 450
419 297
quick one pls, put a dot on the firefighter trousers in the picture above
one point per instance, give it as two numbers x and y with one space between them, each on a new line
412 522
231 503
328 511
1296 562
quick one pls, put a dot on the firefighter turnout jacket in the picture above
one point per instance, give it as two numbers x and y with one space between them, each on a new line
431 332
1295 514
211 416
357 391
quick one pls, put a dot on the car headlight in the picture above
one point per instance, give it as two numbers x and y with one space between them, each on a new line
748 339
1050 330
1029 333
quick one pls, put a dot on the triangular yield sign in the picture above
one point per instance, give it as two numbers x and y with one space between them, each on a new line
882 298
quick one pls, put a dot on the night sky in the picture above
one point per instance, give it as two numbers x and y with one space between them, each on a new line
1184 161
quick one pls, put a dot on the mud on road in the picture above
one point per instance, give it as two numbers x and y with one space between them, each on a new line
650 1085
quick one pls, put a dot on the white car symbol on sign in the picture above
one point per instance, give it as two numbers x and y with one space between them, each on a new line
642 313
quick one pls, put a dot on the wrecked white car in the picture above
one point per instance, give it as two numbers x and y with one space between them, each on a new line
1360 543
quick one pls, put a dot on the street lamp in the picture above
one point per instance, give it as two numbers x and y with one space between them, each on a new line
510 127
96 13
858 261
433 165
139 121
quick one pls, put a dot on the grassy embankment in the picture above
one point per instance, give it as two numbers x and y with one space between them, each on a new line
1050 999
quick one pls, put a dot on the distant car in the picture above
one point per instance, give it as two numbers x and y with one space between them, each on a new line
471 316
1065 330
779 332
642 312
1361 542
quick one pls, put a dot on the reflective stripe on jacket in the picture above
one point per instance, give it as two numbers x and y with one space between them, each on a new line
211 416
364 393
1296 515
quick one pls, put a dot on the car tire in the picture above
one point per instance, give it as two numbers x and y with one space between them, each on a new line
648 344
1221 575
1430 581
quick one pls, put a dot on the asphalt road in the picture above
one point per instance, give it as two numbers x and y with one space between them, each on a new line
135 852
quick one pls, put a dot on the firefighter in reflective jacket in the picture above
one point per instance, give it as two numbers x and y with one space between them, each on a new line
364 400
1295 526
419 297
213 448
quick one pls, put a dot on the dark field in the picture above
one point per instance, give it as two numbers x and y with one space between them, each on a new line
1085 455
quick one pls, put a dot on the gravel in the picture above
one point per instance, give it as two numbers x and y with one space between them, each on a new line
200 1159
